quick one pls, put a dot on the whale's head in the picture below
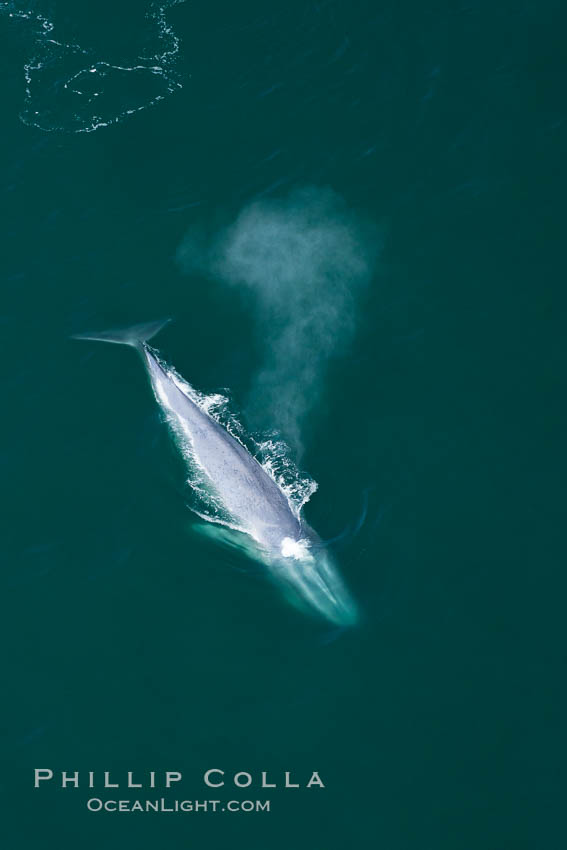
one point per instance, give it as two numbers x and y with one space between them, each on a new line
307 569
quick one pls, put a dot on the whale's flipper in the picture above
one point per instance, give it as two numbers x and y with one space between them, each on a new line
135 335
352 528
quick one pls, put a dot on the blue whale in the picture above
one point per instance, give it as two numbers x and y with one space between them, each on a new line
289 547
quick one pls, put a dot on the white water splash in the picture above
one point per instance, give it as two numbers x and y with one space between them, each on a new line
69 89
273 455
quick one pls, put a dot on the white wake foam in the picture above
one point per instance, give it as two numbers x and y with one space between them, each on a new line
69 88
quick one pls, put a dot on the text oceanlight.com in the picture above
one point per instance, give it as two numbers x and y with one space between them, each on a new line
95 804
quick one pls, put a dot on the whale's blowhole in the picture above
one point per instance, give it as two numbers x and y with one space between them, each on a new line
298 549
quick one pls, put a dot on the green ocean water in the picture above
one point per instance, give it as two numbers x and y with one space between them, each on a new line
432 421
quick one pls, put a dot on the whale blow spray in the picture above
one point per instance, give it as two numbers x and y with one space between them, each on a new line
304 260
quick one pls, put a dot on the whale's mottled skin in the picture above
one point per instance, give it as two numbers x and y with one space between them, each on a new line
290 548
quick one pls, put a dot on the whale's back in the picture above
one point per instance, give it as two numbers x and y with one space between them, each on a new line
249 494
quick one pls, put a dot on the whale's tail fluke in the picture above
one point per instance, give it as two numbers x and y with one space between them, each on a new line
135 335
